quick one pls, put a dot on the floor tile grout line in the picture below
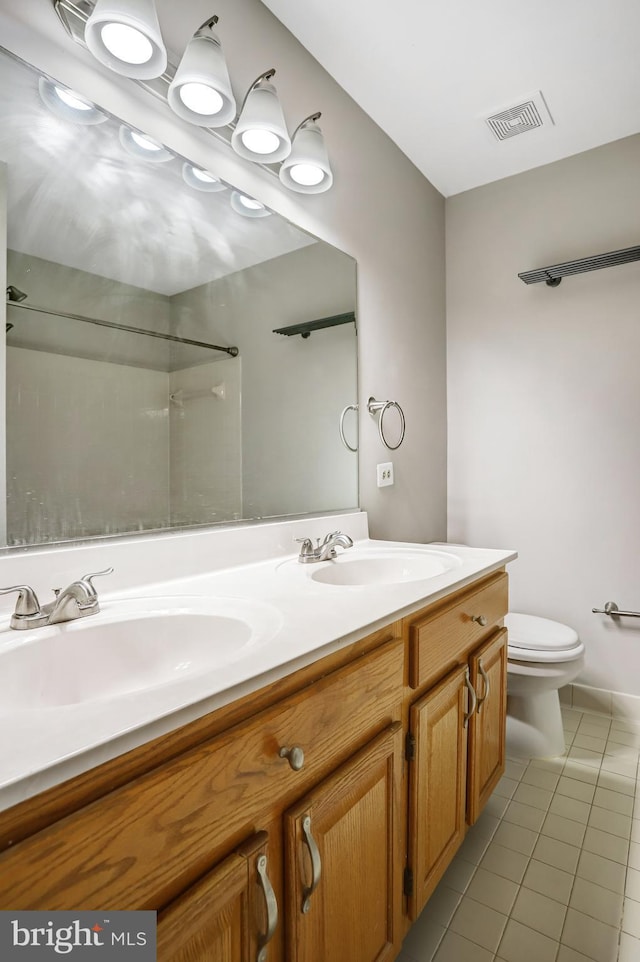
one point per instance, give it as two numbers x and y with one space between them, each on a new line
513 764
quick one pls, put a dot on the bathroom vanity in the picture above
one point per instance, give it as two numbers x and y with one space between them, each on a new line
308 819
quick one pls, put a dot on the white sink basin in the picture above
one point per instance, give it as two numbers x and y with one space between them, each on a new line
368 567
132 645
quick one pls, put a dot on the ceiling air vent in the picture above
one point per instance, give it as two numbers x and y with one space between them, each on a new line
530 113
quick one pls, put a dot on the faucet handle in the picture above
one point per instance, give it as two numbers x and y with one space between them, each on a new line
96 574
307 549
27 603
27 612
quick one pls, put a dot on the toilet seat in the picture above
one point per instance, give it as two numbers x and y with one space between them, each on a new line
535 639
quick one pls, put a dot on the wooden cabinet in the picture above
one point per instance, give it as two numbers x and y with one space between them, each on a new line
218 917
437 750
344 861
287 825
487 730
456 736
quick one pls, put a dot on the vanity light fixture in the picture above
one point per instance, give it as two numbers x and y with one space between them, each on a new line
201 179
67 104
200 91
307 169
124 35
142 146
261 133
248 206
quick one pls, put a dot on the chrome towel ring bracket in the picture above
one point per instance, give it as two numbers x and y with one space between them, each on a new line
381 407
349 407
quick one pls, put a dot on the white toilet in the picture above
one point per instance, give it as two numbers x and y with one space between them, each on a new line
544 655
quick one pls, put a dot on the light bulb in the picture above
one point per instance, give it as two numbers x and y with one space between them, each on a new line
204 176
200 98
145 142
126 43
249 203
260 141
306 174
71 100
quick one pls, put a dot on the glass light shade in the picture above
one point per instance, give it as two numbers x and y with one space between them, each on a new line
247 206
124 35
201 179
144 147
68 105
261 124
200 91
306 169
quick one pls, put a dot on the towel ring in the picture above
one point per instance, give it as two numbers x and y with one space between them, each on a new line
374 407
349 407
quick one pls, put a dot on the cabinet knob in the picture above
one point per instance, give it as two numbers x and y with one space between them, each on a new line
294 755
480 619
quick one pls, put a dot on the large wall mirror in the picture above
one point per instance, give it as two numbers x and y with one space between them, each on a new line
145 386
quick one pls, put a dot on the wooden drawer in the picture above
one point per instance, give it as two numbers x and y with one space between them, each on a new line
443 637
141 845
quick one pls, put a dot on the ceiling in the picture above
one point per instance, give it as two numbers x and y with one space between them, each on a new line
429 73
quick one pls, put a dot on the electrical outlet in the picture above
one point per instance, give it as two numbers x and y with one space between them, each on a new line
385 474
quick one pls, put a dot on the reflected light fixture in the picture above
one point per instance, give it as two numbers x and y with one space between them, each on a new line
306 169
142 146
200 91
201 179
261 133
67 104
247 206
124 35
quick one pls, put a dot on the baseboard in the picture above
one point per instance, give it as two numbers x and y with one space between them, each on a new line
615 703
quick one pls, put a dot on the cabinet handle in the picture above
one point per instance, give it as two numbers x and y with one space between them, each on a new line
294 755
487 687
316 864
472 696
271 905
480 620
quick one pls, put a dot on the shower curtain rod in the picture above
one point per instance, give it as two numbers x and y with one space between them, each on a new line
232 351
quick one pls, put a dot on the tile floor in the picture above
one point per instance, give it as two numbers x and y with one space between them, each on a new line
551 871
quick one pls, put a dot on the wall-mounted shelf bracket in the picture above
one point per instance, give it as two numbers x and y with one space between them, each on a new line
554 274
308 327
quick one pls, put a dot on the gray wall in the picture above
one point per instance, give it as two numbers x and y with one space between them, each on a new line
544 395
381 210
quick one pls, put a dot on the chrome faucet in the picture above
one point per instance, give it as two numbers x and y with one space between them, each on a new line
78 600
325 550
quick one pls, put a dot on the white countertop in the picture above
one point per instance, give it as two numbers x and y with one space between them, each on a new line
300 620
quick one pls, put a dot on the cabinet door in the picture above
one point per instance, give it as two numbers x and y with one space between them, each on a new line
343 861
218 919
487 726
437 784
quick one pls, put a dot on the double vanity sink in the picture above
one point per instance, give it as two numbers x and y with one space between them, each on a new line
151 659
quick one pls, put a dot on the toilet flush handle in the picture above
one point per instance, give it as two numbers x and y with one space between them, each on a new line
480 619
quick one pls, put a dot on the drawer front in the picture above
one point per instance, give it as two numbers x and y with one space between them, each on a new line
140 846
443 638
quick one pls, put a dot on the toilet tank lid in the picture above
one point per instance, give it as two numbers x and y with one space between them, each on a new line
539 634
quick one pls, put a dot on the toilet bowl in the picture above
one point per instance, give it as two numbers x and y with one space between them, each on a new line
543 655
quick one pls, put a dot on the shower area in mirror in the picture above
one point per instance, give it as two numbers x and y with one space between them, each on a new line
108 421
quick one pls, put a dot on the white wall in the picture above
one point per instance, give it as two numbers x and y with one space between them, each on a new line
65 418
205 443
544 395
293 388
380 210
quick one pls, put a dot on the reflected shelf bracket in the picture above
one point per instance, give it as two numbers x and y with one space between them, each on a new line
306 329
